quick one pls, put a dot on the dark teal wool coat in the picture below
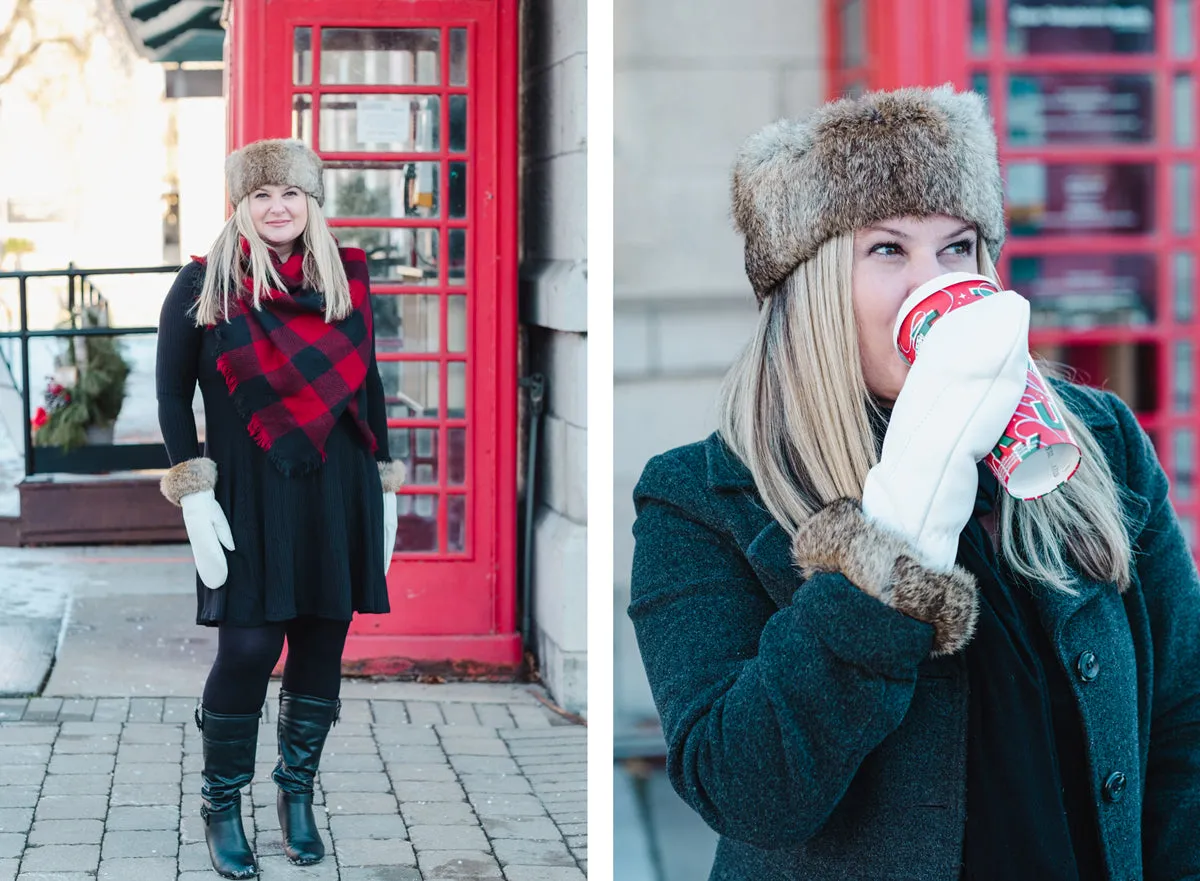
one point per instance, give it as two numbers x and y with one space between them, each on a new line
807 725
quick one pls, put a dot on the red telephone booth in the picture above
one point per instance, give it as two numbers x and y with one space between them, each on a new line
412 107
1096 114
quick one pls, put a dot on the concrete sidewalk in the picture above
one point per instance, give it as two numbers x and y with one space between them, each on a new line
100 775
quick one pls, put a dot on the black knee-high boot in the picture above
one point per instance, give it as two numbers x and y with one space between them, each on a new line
229 746
304 723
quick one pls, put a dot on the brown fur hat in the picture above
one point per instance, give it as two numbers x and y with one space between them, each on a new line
278 161
856 161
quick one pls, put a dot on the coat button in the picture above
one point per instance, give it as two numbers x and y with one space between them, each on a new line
1087 665
1114 786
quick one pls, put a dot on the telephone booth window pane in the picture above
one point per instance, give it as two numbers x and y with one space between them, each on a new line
1185 463
1080 198
458 189
1185 287
979 83
410 389
456 448
380 123
1129 370
409 189
416 529
400 443
456 391
458 123
424 462
1080 108
458 56
979 30
380 57
1183 43
302 57
417 448
458 257
1184 185
407 256
302 118
1081 291
1183 115
456 523
1185 375
853 34
1052 27
456 323
406 322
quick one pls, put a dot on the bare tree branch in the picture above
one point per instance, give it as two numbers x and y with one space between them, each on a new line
24 59
23 13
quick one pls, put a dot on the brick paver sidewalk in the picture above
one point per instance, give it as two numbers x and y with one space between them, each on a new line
436 787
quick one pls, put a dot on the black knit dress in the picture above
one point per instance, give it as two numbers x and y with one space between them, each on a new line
305 545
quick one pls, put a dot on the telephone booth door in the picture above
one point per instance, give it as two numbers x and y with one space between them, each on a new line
1096 109
412 107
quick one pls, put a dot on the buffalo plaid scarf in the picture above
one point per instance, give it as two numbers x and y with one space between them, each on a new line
290 374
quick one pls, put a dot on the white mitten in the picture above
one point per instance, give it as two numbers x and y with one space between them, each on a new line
960 393
390 521
207 531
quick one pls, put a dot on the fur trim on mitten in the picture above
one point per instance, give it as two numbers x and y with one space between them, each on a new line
839 538
392 474
189 476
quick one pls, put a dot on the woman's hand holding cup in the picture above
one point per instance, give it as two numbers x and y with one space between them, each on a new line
959 396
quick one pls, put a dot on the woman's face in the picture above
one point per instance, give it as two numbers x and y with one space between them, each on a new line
280 215
891 259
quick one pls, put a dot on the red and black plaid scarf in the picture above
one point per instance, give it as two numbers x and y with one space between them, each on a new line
290 374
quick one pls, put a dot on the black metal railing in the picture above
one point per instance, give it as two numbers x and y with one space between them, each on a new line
81 293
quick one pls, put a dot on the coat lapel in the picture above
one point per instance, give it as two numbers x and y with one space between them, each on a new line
770 555
767 545
1056 608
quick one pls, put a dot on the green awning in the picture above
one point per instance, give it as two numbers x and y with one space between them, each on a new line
175 30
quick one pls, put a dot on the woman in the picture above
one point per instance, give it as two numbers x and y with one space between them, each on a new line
291 511
870 661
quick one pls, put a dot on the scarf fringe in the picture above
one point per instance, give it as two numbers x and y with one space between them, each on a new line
291 468
231 380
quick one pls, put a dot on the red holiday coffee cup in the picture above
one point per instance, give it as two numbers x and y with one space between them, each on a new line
1036 454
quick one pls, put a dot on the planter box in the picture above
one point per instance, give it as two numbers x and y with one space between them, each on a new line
74 509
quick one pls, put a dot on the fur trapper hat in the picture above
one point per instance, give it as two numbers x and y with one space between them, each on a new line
856 161
278 161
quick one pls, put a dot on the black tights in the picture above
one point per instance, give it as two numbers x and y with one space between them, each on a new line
237 683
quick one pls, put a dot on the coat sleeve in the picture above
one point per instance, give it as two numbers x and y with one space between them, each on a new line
1171 590
177 365
376 405
767 712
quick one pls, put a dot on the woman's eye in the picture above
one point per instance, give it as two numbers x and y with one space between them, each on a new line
886 249
964 248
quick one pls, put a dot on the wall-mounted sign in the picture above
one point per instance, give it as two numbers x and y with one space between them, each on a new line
1040 27
1080 108
1080 198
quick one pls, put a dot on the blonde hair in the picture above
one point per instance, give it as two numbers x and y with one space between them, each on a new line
796 410
229 268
